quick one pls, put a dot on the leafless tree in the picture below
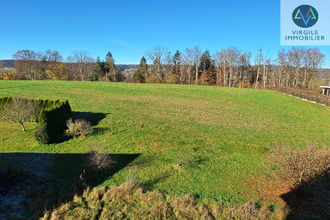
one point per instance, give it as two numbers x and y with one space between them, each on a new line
83 64
281 63
187 64
232 55
295 56
266 64
158 55
26 64
244 63
19 111
259 59
197 55
217 57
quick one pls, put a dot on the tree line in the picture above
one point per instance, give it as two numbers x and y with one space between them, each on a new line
231 67
295 67
31 65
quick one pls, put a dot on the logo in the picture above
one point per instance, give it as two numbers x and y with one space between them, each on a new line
305 16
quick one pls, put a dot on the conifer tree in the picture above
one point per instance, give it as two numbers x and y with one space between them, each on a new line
176 63
141 73
98 71
110 67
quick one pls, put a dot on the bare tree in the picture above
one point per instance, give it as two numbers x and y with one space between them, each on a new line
281 63
83 64
197 54
259 59
244 63
187 62
19 111
232 55
218 64
26 64
295 55
53 66
266 64
158 56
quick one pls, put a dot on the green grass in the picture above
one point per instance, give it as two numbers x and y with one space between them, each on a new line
224 132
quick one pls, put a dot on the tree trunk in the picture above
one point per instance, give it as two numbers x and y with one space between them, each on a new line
22 126
256 86
264 76
230 74
196 73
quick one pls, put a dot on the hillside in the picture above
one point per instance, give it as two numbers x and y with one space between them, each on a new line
207 141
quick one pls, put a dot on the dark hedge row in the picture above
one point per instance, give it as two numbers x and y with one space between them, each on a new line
51 116
305 94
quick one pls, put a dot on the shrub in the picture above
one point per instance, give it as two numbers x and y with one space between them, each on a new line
52 119
173 79
79 127
100 160
296 167
241 84
153 79
314 85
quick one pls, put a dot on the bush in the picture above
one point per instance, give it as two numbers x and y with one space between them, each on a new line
79 127
100 160
153 79
297 167
173 79
314 85
52 120
241 84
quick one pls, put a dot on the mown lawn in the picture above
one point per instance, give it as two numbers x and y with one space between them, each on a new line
221 135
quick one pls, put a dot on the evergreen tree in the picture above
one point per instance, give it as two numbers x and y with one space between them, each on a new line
142 72
98 71
205 61
205 67
109 67
176 63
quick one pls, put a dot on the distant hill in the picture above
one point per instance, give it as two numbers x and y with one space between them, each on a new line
122 67
8 63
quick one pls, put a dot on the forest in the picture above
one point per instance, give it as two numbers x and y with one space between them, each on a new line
297 67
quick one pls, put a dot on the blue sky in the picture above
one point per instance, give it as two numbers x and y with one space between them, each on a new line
129 28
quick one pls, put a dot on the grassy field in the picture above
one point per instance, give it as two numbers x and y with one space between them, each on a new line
219 135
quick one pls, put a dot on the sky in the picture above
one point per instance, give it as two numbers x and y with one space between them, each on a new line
128 28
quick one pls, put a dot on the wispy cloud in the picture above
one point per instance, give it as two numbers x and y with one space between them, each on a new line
124 44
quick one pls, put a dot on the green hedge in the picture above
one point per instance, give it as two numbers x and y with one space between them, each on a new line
4 101
52 120
51 116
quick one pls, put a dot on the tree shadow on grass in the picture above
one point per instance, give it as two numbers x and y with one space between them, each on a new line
310 200
93 118
52 179
71 166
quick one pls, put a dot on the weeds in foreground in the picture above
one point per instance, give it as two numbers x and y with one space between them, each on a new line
298 166
129 201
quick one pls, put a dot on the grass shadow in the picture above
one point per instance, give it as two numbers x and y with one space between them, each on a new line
93 118
71 166
310 200
51 180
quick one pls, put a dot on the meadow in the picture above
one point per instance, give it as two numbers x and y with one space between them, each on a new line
210 142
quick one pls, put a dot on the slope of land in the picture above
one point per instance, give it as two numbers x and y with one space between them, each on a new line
210 142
